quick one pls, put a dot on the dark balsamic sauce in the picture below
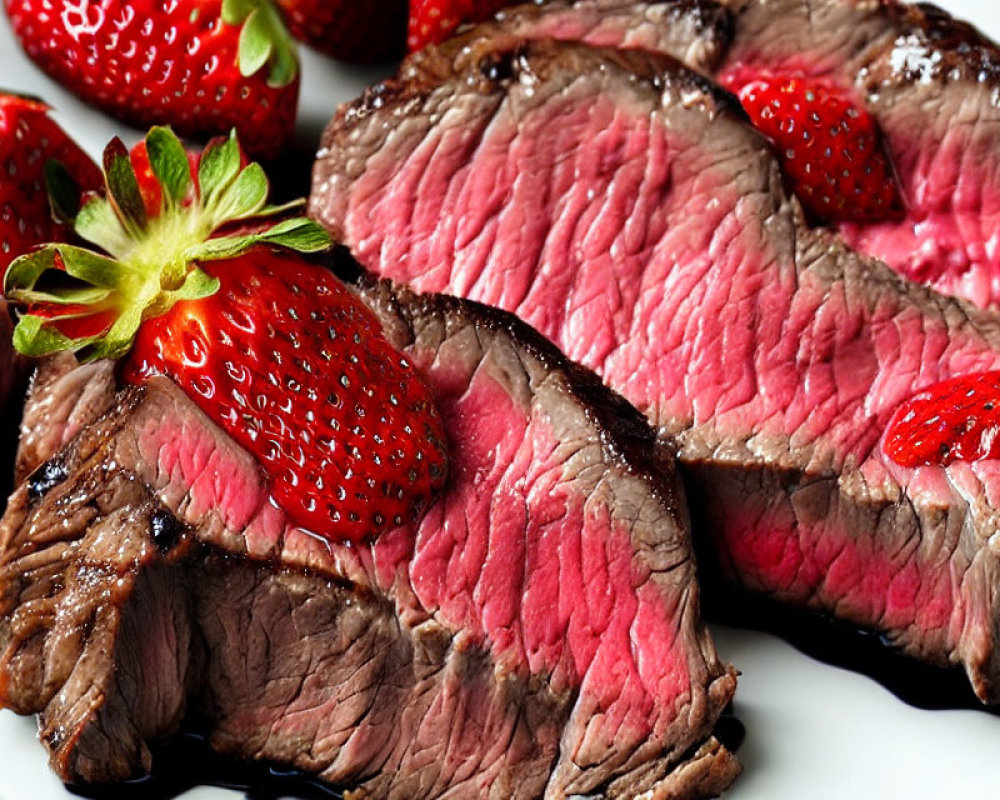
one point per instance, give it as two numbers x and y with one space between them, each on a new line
729 730
165 529
841 645
187 762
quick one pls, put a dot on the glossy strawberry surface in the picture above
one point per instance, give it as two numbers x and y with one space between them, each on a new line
955 420
165 61
433 21
29 138
296 369
194 276
829 146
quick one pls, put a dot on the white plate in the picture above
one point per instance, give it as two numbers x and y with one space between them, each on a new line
813 731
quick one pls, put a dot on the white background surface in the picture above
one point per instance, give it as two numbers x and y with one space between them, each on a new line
813 731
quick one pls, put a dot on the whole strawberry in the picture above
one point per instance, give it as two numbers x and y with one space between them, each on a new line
204 66
29 139
364 33
829 147
273 347
433 21
954 420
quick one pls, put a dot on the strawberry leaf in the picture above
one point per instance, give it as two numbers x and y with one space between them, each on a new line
197 284
33 336
218 167
123 186
63 190
301 234
255 46
98 223
42 276
264 40
95 269
244 197
24 272
118 340
284 208
66 296
170 163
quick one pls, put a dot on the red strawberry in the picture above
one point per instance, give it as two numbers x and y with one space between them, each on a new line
365 33
204 66
269 344
955 420
29 138
433 21
830 148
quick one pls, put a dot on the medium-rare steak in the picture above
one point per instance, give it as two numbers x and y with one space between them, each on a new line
697 32
536 634
931 83
621 205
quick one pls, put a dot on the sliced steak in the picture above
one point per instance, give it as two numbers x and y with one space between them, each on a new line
932 84
536 635
621 205
930 81
697 32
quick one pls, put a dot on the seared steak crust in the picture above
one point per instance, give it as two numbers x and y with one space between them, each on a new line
694 31
624 209
929 80
139 586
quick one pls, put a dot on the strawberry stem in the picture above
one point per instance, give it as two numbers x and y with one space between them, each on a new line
153 231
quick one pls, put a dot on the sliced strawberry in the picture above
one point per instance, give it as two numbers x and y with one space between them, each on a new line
955 420
433 21
270 345
203 66
29 140
829 146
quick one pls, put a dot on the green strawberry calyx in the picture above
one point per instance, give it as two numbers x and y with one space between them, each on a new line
264 41
153 226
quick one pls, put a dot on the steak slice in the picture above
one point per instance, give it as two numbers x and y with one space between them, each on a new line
932 84
697 32
621 205
537 634
930 81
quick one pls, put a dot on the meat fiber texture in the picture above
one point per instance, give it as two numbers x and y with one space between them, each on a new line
933 85
931 82
536 635
621 205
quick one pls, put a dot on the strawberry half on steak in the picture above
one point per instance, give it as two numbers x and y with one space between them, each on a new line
272 347
202 66
535 633
829 147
